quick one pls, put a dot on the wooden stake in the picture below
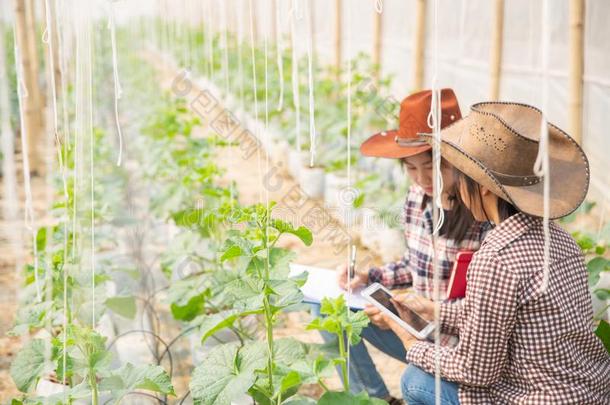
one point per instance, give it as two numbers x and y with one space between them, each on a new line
338 34
33 114
377 43
495 62
576 68
418 46
312 22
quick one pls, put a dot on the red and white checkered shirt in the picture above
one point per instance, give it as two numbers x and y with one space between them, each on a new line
416 268
516 344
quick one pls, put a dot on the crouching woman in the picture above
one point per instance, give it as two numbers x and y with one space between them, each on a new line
525 329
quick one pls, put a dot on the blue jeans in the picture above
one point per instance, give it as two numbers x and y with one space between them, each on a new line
418 388
363 375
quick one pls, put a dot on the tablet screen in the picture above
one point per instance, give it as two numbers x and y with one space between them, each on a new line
412 318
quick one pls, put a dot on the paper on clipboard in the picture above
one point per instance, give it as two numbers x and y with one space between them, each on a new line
322 283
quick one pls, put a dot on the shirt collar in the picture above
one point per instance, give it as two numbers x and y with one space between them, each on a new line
510 229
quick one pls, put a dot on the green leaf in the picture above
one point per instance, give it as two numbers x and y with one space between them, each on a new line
602 294
301 232
211 324
124 306
28 365
226 373
190 311
129 377
347 398
603 332
41 240
595 267
231 252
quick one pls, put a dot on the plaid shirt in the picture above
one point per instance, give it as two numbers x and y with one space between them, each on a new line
517 345
416 268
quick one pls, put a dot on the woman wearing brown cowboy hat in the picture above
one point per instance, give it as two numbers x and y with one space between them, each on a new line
415 269
520 340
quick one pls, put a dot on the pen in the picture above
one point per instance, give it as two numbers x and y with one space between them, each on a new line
352 264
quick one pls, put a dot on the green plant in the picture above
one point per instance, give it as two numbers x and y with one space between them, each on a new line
262 287
87 373
346 325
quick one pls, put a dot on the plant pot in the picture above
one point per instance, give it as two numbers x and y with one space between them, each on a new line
385 168
369 229
391 244
281 156
334 191
46 388
135 348
297 160
311 180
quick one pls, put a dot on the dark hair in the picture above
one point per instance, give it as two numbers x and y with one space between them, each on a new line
458 219
505 209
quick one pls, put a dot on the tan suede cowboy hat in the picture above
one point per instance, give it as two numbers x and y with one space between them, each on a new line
496 145
412 119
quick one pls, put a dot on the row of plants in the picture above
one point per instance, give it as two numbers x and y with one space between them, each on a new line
254 79
237 277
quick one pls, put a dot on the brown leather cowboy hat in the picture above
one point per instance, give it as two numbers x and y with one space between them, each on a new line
413 118
496 145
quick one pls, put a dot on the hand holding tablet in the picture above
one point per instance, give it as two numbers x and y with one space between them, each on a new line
408 319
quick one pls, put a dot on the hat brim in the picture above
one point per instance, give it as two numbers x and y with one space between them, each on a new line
568 167
384 145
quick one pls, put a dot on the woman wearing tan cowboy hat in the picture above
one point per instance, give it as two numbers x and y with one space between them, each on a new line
414 270
518 341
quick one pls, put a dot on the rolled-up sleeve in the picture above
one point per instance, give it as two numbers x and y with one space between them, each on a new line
486 322
392 275
450 315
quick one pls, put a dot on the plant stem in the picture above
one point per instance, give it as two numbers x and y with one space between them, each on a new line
599 314
93 384
343 355
268 311
269 327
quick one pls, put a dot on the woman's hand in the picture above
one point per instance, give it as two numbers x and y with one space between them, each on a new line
360 279
423 306
376 317
405 337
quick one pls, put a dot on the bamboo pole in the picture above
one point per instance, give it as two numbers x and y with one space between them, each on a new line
33 115
273 19
418 46
338 33
30 13
10 208
312 27
496 50
576 68
377 43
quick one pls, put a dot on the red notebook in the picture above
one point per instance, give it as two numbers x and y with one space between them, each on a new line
457 282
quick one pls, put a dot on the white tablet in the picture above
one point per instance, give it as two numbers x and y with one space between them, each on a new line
380 296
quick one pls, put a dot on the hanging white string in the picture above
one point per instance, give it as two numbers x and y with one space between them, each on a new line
225 46
351 252
254 91
240 63
312 120
434 121
209 40
296 97
22 93
541 166
66 129
92 162
280 54
379 6
118 91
